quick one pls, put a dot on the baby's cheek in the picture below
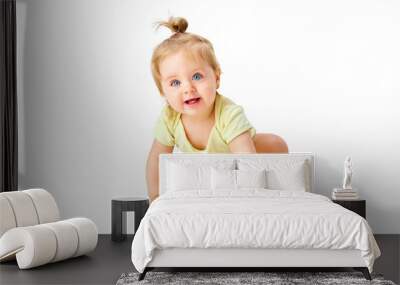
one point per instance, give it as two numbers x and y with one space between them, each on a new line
174 103
177 107
208 90
211 92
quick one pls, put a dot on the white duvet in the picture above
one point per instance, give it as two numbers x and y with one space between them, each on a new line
251 218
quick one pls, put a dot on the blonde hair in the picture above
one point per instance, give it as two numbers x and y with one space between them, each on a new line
195 45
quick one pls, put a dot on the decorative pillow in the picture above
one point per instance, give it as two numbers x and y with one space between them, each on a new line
236 179
251 178
193 174
281 174
223 179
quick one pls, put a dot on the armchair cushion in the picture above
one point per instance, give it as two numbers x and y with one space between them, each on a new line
31 232
52 242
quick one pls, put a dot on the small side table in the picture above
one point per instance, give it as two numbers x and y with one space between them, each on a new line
357 206
119 207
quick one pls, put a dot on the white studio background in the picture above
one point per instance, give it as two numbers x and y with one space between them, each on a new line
325 75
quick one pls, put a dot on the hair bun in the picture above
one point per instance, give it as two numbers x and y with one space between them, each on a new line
179 25
175 24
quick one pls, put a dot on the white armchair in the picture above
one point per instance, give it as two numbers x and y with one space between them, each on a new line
31 230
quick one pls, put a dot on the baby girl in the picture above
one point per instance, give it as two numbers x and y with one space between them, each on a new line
196 118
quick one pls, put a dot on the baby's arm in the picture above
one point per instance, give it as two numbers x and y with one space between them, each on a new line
242 144
152 168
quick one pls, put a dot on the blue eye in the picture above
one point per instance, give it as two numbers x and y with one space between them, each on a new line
175 82
197 76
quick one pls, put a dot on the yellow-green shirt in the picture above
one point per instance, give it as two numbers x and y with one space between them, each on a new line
230 122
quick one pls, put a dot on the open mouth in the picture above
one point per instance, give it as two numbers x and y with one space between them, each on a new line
192 101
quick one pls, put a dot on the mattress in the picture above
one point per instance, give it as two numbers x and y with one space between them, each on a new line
250 219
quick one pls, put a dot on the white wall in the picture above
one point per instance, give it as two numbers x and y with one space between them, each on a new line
324 75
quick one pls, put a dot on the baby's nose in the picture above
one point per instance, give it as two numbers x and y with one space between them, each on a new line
188 88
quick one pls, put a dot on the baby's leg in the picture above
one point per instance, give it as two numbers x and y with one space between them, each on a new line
270 143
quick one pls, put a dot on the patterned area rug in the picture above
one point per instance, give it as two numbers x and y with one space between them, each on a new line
270 278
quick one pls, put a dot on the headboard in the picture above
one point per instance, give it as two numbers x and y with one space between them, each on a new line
295 157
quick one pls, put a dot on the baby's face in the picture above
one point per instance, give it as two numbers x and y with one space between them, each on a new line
188 85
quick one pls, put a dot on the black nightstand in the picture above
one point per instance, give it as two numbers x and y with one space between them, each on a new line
357 206
119 207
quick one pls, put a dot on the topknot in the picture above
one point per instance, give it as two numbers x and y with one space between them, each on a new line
175 24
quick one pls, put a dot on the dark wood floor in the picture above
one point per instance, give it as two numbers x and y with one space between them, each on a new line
111 259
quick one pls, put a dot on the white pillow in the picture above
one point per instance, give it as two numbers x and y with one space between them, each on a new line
223 179
281 174
237 179
251 178
293 178
189 175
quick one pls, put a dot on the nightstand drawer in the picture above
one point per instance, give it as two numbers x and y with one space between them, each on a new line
357 206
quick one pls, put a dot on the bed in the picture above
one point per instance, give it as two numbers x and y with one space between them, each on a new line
248 210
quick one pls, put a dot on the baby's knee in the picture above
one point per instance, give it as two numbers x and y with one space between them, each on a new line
270 143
